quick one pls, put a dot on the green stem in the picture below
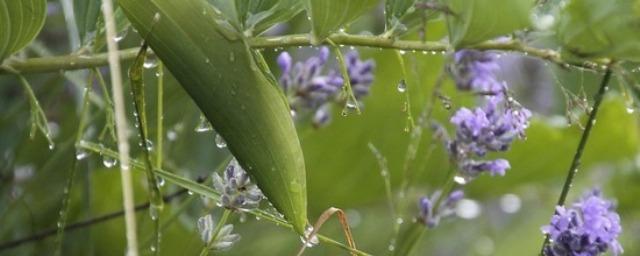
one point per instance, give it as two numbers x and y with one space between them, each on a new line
210 193
351 98
575 163
221 223
74 61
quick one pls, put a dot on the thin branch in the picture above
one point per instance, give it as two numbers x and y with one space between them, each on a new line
71 62
121 128
83 224
575 163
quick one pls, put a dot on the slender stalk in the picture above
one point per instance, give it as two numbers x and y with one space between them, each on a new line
62 219
221 223
575 163
351 101
84 224
121 128
74 61
212 194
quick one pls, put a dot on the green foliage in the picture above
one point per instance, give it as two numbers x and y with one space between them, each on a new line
215 66
394 11
20 22
475 21
86 13
596 29
328 16
259 15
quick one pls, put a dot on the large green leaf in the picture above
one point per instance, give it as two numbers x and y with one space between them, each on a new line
215 66
475 21
327 16
20 22
86 13
591 29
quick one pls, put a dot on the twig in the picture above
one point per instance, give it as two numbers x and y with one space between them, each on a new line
74 61
575 163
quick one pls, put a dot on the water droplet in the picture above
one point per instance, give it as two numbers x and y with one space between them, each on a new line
52 146
190 192
402 86
461 179
152 248
399 221
220 142
293 113
109 162
154 212
310 242
150 62
391 247
204 125
81 154
148 145
172 135
403 52
121 35
630 110
161 181
59 224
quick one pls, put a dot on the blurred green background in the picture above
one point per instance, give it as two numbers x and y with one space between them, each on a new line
502 216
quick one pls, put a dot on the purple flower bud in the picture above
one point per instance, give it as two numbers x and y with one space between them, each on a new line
472 168
284 62
236 189
589 227
475 71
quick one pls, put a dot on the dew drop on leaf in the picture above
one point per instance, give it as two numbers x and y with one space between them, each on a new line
402 86
109 162
220 143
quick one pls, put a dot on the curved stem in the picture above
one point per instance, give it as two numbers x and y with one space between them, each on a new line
75 61
575 163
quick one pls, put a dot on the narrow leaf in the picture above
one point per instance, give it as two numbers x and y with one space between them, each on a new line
259 15
86 13
215 66
328 16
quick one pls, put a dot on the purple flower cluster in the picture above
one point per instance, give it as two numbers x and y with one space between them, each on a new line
474 71
235 188
430 215
590 227
491 127
310 90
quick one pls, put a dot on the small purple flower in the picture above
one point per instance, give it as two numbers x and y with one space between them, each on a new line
235 188
472 168
310 88
590 227
474 70
490 127
426 207
360 74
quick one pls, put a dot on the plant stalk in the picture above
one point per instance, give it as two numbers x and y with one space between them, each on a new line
575 163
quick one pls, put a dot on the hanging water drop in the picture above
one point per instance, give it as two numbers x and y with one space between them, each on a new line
148 145
154 212
161 182
630 110
310 242
461 179
121 35
52 146
108 161
402 86
81 154
150 62
204 125
220 143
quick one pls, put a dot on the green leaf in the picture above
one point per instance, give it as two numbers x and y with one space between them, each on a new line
215 66
20 22
86 13
475 21
327 16
259 15
395 10
593 29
